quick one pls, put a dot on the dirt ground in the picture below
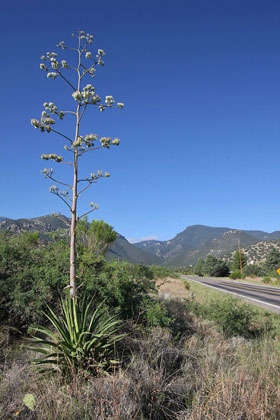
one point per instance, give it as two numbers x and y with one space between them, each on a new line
171 288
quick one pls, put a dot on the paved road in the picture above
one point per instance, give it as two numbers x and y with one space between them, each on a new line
264 296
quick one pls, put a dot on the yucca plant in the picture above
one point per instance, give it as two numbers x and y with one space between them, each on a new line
82 340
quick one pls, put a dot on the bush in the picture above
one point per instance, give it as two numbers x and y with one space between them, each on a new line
125 287
235 275
272 262
31 275
253 270
187 284
212 266
156 314
234 316
199 267
239 255
266 280
162 272
34 274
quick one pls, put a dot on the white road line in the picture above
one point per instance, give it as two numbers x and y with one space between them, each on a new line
236 294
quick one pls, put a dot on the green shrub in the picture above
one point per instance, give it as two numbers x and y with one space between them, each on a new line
123 285
187 284
156 315
235 275
234 317
199 267
182 322
211 266
33 274
162 272
272 262
253 270
266 280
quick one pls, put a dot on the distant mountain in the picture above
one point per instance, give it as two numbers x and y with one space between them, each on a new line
184 249
43 224
220 246
196 241
192 237
123 250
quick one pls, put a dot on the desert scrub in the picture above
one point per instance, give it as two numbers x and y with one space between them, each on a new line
187 284
266 280
236 275
201 376
233 316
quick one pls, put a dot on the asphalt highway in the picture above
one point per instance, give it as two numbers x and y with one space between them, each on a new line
264 296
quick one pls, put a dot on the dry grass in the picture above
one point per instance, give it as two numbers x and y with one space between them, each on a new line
192 372
203 376
172 288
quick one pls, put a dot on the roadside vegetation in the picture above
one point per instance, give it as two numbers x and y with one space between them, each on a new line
239 269
181 351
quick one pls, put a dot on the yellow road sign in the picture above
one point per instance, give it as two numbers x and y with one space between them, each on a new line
278 271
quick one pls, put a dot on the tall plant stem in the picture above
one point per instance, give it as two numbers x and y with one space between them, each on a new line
73 286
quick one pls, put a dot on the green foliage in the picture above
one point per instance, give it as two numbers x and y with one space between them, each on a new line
234 317
199 267
212 266
266 280
273 260
95 236
156 314
186 270
35 274
236 260
187 284
253 270
162 272
81 341
30 276
235 275
126 287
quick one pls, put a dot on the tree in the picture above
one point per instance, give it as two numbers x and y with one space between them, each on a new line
84 95
213 266
96 236
237 257
273 260
199 267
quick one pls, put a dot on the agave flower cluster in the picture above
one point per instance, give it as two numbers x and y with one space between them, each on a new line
87 95
84 143
52 156
46 120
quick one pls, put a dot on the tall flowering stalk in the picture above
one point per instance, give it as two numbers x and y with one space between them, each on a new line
84 95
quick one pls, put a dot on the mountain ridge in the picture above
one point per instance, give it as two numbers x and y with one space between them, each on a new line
184 249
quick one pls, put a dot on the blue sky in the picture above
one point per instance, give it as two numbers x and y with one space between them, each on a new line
200 128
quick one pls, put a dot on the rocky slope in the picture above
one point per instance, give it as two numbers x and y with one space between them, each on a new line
220 246
256 253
